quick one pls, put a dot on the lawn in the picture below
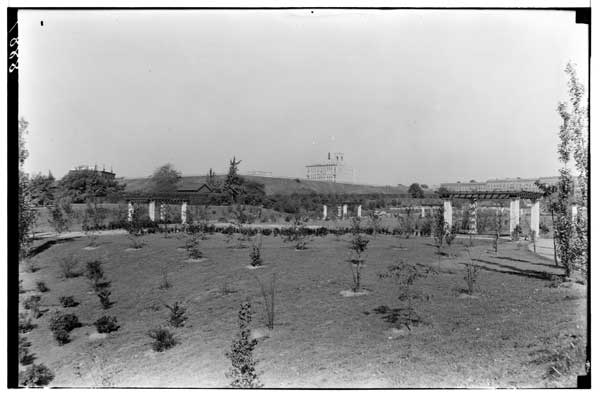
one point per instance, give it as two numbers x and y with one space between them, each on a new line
511 333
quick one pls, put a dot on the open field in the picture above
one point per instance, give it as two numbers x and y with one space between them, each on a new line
509 334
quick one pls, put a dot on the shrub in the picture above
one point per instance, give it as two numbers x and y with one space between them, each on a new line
106 324
66 322
104 296
165 284
32 302
177 316
471 272
94 270
516 233
36 375
62 336
242 370
68 301
25 324
68 266
405 275
41 285
163 339
268 294
25 357
544 229
358 245
255 257
136 241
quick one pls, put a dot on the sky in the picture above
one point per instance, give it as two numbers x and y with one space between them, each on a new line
425 96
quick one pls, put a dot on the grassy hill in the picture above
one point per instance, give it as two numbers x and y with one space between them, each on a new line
286 185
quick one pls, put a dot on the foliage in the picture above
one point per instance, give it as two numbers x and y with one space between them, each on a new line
268 294
242 371
25 324
66 322
136 241
36 375
165 284
177 316
255 256
94 270
164 179
68 301
41 286
84 184
233 182
61 215
358 245
104 296
106 324
404 276
471 272
61 336
516 233
416 191
42 189
68 265
26 212
25 357
163 339
439 227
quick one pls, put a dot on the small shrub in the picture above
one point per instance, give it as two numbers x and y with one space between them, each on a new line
242 372
163 339
25 357
165 284
99 286
41 286
516 233
358 245
62 336
104 296
68 301
25 324
106 324
32 302
195 253
136 241
36 375
177 316
544 229
255 256
268 294
471 271
94 270
68 267
66 322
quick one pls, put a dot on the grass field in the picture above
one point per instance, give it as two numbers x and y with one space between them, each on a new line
511 333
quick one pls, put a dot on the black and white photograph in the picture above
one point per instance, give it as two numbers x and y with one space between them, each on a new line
298 198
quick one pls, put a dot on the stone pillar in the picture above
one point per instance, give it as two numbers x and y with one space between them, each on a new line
359 211
514 214
345 210
184 212
534 221
574 212
422 212
151 210
448 212
162 211
339 211
129 212
324 211
473 217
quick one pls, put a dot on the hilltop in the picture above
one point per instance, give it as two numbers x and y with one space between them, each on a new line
284 186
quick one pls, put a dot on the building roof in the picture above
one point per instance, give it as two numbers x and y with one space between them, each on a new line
194 187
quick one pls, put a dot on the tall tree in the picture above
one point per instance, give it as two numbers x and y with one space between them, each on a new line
83 184
571 233
164 179
42 189
211 179
416 191
233 182
27 214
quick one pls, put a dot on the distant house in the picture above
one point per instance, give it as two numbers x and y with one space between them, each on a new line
195 188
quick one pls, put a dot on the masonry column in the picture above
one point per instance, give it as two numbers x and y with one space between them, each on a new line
514 214
448 212
574 212
184 212
473 217
422 212
359 211
130 212
324 211
345 210
162 210
151 210
534 221
339 211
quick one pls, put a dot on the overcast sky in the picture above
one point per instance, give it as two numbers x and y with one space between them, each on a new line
407 96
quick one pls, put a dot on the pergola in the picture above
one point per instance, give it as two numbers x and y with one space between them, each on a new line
513 196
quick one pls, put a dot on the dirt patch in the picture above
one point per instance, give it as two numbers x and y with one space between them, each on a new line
132 249
256 266
90 248
351 293
195 260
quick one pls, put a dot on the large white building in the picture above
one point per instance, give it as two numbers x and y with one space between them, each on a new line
332 170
